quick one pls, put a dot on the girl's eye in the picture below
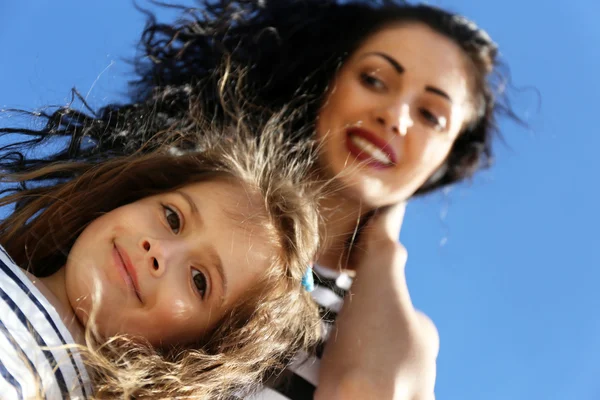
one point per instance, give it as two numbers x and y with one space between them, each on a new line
372 81
199 280
438 123
172 219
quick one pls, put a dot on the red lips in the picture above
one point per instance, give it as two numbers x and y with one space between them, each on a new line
372 138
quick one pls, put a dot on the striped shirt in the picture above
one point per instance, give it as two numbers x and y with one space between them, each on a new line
330 289
32 362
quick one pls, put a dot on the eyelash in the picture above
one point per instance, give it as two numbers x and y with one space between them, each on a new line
201 292
378 84
432 119
372 81
168 209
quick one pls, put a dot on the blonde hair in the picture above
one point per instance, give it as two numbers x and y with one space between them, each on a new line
261 333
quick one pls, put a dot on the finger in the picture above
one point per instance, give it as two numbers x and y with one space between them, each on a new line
386 221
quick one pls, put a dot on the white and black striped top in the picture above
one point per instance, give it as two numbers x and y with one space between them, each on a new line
32 362
330 289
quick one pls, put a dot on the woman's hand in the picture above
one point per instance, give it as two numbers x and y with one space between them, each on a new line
378 246
381 347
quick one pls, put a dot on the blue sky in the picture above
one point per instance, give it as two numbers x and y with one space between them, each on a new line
508 265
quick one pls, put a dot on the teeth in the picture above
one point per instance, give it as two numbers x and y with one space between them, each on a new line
370 149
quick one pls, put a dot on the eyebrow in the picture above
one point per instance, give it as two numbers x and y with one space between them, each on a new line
400 69
397 66
191 204
439 92
212 255
215 260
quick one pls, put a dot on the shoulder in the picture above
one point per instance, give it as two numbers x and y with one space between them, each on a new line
35 346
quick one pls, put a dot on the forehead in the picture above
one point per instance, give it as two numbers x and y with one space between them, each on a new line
236 218
237 205
424 53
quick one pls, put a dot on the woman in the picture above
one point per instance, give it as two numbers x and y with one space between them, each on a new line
402 102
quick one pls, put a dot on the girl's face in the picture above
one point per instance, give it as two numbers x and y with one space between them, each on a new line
395 109
169 267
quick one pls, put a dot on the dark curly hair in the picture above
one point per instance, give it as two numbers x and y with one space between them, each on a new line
295 47
288 52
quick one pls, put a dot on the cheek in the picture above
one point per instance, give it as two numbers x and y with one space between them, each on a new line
430 152
85 280
178 311
181 310
177 322
344 105
101 302
91 252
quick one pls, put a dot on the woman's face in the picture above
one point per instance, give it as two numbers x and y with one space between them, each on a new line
395 109
169 267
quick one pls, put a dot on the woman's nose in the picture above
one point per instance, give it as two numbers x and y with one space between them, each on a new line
397 118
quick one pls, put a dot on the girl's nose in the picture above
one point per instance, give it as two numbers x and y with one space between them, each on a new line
161 253
156 262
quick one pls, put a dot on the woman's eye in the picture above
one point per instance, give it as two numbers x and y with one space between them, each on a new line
438 123
372 81
172 219
199 280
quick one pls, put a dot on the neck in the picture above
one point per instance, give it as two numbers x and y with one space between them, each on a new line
53 288
341 217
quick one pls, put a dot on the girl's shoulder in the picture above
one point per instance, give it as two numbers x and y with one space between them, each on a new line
8 263
18 286
35 345
331 287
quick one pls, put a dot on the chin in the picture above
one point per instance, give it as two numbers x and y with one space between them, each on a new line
371 194
82 314
105 325
372 202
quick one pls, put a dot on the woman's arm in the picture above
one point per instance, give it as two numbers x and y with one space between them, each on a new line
381 347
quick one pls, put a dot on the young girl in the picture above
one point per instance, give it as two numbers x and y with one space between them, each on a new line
178 276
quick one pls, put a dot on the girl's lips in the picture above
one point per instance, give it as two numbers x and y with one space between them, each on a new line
374 140
126 270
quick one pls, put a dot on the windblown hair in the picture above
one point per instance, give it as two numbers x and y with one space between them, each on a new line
287 54
275 319
294 48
